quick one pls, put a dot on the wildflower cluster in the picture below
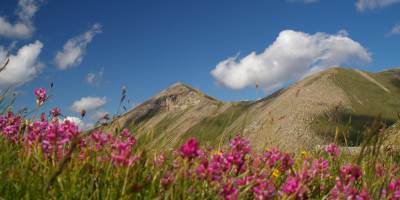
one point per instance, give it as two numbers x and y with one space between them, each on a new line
114 166
41 96
108 147
54 139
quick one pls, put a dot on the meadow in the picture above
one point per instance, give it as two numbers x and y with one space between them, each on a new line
43 156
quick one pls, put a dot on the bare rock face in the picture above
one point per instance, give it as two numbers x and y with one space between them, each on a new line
282 120
179 97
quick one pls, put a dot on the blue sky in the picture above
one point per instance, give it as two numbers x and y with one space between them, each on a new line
149 45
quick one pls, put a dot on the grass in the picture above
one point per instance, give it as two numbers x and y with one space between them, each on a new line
50 159
210 129
365 106
374 102
26 173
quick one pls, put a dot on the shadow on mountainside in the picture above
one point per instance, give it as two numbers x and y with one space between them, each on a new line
349 127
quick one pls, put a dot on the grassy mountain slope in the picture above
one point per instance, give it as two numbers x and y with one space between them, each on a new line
301 116
370 95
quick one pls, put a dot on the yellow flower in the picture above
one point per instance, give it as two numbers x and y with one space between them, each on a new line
216 152
304 154
276 173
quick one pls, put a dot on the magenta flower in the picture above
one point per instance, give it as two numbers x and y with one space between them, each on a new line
275 157
10 126
121 147
100 140
363 195
159 160
55 112
332 150
343 190
291 185
230 192
237 154
393 190
247 180
264 190
126 133
238 144
43 117
201 170
217 167
320 167
379 169
190 149
122 153
35 131
286 162
272 157
41 96
167 179
350 173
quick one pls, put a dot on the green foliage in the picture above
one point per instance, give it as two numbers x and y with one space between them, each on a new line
365 106
211 128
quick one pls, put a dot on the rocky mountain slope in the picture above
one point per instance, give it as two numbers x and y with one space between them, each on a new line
307 113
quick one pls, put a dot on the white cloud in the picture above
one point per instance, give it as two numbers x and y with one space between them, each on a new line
395 30
23 27
95 78
292 56
88 103
79 122
75 48
22 67
99 115
364 5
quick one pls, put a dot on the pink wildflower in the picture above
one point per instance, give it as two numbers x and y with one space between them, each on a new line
190 149
393 190
55 112
230 192
320 167
41 96
291 185
332 150
350 173
167 179
264 190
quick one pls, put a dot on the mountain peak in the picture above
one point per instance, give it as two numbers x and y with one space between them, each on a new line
179 85
182 89
181 96
297 117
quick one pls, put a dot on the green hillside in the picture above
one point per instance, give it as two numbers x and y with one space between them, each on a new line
210 129
337 102
372 96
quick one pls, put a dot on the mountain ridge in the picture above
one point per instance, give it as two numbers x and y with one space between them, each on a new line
301 116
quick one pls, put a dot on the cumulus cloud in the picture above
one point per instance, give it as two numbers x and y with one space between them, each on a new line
23 27
75 48
22 67
95 78
291 56
99 115
79 122
364 5
395 30
88 103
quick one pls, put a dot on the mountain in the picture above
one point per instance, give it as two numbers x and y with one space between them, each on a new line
308 113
